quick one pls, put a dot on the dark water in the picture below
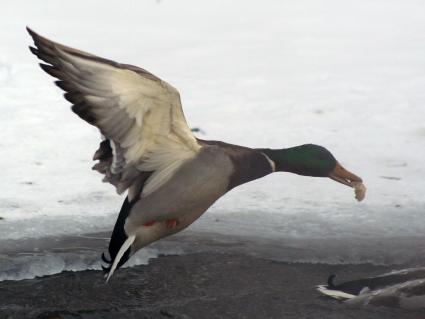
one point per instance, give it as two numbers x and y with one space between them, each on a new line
198 285
212 276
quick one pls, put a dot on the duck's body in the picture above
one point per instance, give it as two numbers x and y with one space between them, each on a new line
196 185
171 177
398 289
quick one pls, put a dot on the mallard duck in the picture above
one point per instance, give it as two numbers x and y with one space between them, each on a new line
400 289
171 177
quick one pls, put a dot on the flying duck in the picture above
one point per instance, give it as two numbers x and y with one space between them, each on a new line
148 150
401 289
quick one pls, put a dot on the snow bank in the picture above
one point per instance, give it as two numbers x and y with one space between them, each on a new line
341 74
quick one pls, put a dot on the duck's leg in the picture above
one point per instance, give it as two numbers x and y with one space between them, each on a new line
171 223
149 223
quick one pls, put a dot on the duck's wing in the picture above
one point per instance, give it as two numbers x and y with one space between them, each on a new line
139 115
407 295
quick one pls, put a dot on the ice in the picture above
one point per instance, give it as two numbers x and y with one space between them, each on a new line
342 74
29 258
36 265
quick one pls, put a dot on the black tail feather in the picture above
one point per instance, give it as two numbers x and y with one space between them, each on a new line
331 281
118 238
106 260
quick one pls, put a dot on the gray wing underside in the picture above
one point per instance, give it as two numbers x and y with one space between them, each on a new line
139 115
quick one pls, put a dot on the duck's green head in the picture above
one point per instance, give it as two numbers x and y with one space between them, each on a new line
311 160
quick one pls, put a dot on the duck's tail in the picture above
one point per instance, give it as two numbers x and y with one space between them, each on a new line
118 238
118 257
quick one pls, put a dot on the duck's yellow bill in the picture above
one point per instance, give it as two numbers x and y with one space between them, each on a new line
341 175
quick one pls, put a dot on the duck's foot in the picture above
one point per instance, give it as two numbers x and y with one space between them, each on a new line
171 223
149 223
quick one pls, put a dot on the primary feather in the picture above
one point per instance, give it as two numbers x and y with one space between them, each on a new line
138 113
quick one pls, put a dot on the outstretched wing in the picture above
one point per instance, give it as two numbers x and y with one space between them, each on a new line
139 115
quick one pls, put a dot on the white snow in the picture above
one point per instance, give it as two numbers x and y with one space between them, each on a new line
348 75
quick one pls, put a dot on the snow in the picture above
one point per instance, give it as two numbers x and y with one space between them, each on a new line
342 74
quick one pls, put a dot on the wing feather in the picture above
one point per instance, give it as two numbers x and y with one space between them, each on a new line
139 114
